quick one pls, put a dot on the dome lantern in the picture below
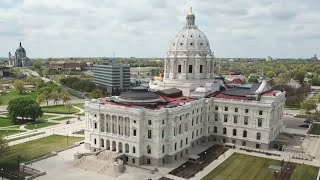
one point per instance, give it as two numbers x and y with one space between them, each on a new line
190 19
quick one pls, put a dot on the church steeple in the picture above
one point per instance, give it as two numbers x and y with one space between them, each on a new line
20 44
190 19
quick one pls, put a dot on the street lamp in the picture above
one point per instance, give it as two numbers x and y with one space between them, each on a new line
18 160
183 170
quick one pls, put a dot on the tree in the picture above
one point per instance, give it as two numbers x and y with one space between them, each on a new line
65 97
55 96
25 108
299 75
18 85
69 106
96 93
308 105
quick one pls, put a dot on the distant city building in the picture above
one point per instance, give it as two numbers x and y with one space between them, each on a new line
20 58
269 58
4 71
68 65
314 58
113 76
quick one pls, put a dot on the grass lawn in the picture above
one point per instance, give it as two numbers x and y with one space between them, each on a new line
40 125
34 149
304 172
245 167
13 94
63 118
5 122
59 109
80 105
10 132
315 129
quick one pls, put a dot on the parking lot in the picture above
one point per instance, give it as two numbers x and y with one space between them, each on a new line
291 125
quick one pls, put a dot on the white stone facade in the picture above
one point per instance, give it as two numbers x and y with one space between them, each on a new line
158 136
189 63
19 59
166 133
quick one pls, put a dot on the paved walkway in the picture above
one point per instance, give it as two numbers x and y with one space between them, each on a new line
62 128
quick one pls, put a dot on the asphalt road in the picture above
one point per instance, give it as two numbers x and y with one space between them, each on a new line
293 122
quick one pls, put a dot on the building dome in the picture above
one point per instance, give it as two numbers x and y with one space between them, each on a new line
20 49
139 95
190 39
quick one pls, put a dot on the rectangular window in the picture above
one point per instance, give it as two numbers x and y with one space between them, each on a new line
216 108
225 118
201 68
149 134
259 122
235 119
246 110
235 109
260 113
216 117
134 132
149 122
179 68
225 108
190 68
245 120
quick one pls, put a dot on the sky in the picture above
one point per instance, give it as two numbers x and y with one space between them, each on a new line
145 28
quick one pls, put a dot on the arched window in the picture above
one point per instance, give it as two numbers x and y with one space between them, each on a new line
162 133
162 148
197 133
234 132
149 149
180 129
192 135
175 146
181 143
215 129
186 141
258 136
133 149
224 130
244 134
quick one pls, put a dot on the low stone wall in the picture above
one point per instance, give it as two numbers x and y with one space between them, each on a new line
34 173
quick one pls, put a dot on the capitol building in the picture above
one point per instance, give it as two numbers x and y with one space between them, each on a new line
190 106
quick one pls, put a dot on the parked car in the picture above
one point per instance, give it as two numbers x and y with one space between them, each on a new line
309 121
304 125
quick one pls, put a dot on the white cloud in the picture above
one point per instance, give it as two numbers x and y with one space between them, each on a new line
144 28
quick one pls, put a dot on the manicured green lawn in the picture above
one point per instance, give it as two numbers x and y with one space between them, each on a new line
13 94
34 149
304 172
10 132
80 105
315 129
40 125
245 167
5 122
63 118
59 109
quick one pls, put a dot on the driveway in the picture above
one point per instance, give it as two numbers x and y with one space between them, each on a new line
291 125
